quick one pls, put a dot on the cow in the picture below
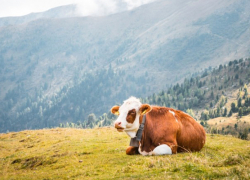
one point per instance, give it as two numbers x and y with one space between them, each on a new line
166 131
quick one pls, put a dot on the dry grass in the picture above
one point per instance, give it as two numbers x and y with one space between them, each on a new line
225 121
100 154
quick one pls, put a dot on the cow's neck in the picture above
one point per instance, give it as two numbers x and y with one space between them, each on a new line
145 140
141 128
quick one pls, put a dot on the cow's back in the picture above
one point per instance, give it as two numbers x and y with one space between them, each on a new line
191 135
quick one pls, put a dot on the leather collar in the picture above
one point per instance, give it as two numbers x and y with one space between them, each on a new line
135 141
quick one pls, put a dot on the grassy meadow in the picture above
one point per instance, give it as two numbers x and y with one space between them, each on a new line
100 154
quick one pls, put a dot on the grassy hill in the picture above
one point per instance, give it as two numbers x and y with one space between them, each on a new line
100 154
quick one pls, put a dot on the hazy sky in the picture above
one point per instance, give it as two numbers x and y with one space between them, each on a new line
87 7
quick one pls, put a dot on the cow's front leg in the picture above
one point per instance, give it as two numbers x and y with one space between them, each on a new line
131 150
165 149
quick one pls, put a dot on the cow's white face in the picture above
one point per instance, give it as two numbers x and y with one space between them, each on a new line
129 114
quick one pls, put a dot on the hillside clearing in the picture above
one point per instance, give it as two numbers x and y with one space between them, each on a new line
228 121
221 122
100 154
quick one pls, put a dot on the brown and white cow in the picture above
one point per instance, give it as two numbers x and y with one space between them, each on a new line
166 130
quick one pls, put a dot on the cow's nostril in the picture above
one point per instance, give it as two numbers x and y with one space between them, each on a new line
118 125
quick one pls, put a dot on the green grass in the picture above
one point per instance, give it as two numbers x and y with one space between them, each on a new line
100 154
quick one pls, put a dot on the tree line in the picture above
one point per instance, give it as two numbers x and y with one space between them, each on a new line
204 96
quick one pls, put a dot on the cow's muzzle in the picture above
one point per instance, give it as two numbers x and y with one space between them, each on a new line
119 127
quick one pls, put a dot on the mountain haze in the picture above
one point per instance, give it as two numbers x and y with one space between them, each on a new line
93 62
58 12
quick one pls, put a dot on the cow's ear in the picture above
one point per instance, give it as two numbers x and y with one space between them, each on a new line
144 109
115 110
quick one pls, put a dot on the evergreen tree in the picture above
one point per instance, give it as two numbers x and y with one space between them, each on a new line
218 112
247 102
245 92
233 108
205 115
225 112
212 95
91 119
204 123
239 102
240 112
211 114
230 113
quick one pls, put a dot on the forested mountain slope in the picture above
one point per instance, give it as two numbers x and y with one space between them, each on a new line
57 70
206 96
206 90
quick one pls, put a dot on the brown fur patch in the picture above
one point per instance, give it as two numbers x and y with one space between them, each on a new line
177 129
131 116
132 150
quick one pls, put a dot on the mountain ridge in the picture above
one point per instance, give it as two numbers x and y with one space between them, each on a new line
57 12
44 59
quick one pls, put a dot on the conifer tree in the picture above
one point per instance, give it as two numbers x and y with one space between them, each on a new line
230 113
239 102
233 107
240 114
225 112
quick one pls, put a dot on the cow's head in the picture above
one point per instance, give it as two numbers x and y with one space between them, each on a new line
128 115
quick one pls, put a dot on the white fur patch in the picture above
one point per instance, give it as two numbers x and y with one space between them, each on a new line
131 134
159 150
162 149
173 115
